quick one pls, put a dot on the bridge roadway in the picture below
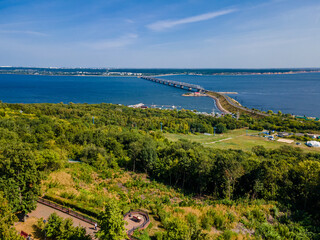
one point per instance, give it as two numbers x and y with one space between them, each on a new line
183 85
228 99
198 88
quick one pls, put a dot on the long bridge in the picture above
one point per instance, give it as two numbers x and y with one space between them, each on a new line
218 97
183 85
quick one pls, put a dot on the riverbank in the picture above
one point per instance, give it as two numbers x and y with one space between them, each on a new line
218 104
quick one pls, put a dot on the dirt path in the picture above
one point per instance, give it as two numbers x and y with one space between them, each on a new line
225 139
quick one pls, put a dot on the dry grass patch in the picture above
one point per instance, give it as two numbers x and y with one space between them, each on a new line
29 226
63 178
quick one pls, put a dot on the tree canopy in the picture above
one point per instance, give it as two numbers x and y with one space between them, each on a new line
111 223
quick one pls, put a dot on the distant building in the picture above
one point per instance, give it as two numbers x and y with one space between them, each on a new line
313 144
139 105
299 134
313 136
283 134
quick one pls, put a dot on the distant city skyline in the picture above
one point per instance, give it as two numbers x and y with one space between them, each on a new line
160 34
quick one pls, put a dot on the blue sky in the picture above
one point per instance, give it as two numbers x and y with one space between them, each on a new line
160 33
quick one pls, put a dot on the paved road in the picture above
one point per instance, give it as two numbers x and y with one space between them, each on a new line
234 105
45 211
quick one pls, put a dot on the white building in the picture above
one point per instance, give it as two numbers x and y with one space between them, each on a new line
313 144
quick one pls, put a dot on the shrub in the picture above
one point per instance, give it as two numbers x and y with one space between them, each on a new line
227 235
256 215
192 219
159 236
221 128
166 199
68 195
90 212
274 212
61 229
179 210
231 217
206 222
105 174
219 221
143 235
267 231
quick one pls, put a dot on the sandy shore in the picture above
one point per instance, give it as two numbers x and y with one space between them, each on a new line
219 105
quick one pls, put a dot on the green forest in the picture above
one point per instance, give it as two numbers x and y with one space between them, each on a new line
124 158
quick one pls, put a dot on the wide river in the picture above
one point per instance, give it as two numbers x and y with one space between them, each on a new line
290 93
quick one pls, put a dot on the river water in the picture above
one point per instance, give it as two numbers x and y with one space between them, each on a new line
291 93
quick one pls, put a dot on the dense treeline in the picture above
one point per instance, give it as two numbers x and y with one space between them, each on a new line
284 122
38 138
107 114
151 119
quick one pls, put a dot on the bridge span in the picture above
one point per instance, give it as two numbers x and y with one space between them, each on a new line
183 85
223 102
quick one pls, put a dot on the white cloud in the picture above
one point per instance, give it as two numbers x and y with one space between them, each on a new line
161 25
113 43
129 21
23 32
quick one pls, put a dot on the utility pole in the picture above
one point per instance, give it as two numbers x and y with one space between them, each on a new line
161 126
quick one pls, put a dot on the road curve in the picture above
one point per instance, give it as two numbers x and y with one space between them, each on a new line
234 105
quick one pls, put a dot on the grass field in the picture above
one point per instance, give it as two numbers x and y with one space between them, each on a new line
236 139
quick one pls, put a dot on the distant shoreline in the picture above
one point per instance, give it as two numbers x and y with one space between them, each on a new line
163 75
153 72
253 73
